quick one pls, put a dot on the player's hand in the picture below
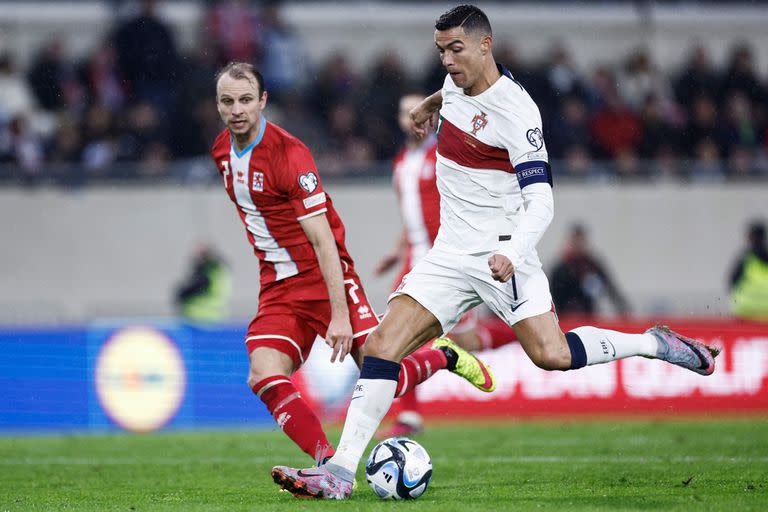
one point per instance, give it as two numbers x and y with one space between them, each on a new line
501 268
339 338
386 263
424 119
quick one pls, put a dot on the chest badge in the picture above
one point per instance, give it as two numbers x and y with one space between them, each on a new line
257 184
479 122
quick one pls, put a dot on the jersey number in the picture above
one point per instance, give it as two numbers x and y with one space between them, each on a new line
352 290
225 165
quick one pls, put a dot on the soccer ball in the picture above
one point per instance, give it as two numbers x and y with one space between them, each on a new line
398 468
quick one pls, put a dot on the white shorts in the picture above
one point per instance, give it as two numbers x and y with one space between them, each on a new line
448 285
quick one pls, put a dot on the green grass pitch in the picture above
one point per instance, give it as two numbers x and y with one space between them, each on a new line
597 465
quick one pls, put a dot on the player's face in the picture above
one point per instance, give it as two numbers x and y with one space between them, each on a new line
407 103
240 106
462 54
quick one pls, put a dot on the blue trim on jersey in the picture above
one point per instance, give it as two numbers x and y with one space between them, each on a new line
537 171
262 128
505 72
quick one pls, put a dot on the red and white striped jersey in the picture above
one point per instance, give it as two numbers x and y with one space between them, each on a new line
274 184
416 188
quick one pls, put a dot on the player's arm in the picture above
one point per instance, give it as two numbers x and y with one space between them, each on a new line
534 221
319 233
424 114
525 144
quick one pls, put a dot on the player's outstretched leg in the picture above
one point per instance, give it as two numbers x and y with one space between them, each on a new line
466 365
592 345
312 483
682 351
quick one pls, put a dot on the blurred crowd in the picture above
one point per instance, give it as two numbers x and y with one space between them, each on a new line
137 104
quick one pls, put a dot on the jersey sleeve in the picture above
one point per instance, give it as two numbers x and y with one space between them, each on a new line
305 191
524 140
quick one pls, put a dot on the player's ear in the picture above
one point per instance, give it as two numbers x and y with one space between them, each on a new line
486 43
263 99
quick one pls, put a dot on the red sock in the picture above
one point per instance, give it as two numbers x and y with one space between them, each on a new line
418 367
409 402
293 415
494 333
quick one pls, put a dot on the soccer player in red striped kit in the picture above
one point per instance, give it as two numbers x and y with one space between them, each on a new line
309 286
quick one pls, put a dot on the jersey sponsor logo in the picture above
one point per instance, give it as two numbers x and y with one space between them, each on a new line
308 181
364 312
535 138
257 184
479 122
240 177
314 200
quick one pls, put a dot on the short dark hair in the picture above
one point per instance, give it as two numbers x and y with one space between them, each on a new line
469 17
240 71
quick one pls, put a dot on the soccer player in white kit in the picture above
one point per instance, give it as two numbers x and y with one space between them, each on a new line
496 203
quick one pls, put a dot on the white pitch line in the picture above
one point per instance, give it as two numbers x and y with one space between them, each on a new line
501 459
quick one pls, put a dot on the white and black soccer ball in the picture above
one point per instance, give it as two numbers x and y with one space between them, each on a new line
398 468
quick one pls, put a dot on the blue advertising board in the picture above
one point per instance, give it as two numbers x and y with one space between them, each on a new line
138 376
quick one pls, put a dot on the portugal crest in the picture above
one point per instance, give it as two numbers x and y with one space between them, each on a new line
479 122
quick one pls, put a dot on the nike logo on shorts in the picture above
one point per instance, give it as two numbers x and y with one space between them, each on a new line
514 307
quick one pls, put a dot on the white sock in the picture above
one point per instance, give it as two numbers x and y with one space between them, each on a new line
604 345
371 400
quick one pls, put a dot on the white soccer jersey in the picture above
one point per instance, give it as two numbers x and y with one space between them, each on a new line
488 146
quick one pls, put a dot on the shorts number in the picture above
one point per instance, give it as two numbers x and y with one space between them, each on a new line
352 289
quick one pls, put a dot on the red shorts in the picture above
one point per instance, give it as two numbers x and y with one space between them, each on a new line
292 314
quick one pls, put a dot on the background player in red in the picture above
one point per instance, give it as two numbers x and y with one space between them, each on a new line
309 286
415 183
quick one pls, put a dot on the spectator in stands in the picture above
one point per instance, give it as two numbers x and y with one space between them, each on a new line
233 29
144 127
558 79
657 131
749 277
101 78
579 279
53 79
640 78
147 56
100 141
739 126
284 61
569 128
615 128
15 93
388 82
26 150
698 78
741 76
336 82
702 126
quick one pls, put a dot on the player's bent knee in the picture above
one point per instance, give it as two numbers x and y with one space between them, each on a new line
375 345
551 361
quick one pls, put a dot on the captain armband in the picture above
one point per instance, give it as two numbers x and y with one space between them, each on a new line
537 171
